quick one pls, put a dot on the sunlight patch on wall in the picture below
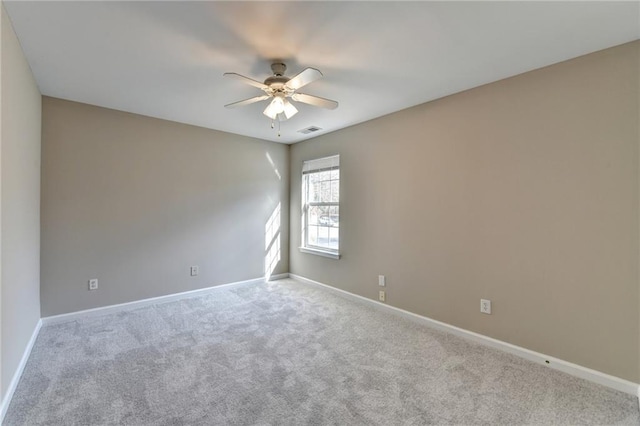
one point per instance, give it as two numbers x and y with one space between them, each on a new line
273 165
272 242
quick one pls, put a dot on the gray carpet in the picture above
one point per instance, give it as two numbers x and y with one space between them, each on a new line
284 353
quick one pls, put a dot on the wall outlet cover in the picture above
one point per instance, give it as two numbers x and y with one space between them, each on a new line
93 284
485 306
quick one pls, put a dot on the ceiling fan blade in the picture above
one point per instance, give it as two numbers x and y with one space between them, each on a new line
315 101
246 80
306 76
247 101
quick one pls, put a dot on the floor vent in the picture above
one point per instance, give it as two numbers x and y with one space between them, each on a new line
310 130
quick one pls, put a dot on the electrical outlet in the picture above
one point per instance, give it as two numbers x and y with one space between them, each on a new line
485 306
382 296
381 281
195 271
93 284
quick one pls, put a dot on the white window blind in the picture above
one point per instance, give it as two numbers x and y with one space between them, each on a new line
321 164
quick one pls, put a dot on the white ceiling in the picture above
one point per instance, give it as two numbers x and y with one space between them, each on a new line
166 59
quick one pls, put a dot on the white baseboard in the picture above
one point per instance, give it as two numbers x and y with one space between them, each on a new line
4 405
279 276
539 358
72 316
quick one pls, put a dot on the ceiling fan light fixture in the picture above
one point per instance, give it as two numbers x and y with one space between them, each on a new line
289 109
269 113
275 107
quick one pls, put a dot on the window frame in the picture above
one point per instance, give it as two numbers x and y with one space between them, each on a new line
307 170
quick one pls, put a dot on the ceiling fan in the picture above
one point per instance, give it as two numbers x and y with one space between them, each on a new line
279 89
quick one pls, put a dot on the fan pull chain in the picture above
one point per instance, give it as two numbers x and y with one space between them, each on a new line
273 124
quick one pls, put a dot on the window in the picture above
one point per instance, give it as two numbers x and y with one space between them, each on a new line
321 206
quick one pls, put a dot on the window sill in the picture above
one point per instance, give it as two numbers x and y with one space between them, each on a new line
322 253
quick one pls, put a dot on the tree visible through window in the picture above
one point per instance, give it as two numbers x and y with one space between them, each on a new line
321 204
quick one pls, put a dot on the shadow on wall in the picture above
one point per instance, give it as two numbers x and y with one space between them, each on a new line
272 242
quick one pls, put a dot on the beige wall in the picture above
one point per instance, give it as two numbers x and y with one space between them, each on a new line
20 204
135 201
524 191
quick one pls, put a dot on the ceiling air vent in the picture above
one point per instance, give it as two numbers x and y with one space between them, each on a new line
310 130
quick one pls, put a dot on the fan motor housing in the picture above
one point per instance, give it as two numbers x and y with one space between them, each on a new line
276 81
